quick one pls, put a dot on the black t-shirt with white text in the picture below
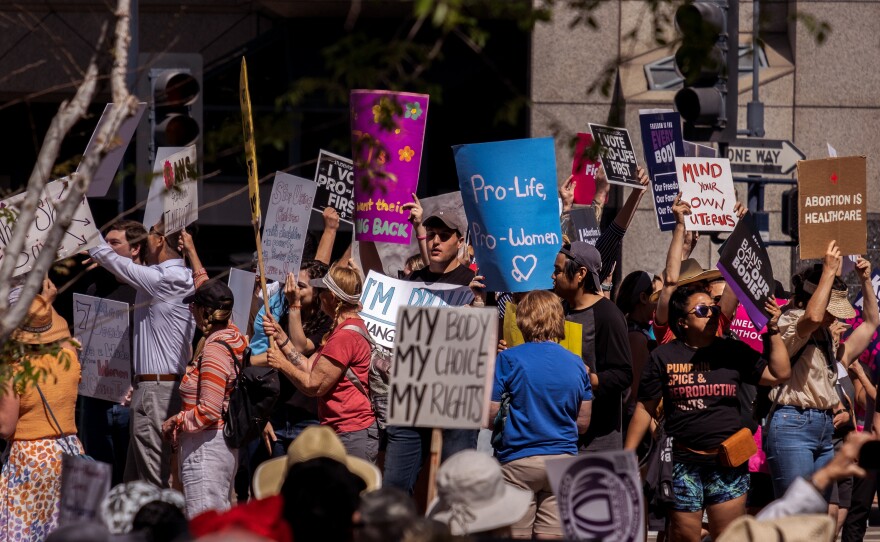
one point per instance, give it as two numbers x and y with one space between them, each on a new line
461 275
699 388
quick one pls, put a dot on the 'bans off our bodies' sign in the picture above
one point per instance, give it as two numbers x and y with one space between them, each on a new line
387 132
707 185
746 268
443 360
509 194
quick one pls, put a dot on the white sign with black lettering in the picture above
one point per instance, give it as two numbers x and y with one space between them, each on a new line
444 360
101 326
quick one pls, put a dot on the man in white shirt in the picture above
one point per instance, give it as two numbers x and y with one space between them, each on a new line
163 332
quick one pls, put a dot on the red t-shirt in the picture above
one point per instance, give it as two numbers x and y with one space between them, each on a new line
344 407
664 333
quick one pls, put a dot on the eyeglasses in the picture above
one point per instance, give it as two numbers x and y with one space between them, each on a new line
444 235
705 311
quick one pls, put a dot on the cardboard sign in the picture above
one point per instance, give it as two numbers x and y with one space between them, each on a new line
745 265
287 224
509 193
618 156
101 326
707 184
387 133
383 296
599 496
84 484
574 332
335 180
584 171
103 177
175 186
832 205
444 359
80 235
584 222
242 284
662 142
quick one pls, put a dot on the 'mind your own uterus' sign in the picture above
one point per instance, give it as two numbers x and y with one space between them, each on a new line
509 193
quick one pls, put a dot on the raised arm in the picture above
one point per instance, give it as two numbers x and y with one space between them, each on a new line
778 369
673 260
416 215
188 249
624 217
860 338
814 314
328 236
141 277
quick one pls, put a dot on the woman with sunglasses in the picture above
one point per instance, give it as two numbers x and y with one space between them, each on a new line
697 376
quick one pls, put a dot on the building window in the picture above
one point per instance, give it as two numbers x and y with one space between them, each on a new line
661 73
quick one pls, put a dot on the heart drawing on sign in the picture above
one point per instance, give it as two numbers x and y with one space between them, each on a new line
523 274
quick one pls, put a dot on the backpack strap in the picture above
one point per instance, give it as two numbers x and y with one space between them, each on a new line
349 374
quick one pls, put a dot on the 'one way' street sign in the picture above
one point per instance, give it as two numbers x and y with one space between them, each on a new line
765 156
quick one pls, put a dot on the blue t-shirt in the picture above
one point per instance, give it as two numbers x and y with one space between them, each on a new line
277 304
547 384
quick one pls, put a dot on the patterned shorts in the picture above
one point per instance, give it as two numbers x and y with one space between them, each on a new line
30 487
697 486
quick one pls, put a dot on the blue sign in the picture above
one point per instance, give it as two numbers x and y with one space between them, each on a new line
509 194
662 142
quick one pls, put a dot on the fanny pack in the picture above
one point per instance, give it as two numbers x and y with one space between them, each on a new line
733 452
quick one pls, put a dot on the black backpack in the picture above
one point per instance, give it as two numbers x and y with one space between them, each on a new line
254 393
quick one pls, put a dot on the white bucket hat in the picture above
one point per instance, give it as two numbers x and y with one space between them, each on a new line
472 496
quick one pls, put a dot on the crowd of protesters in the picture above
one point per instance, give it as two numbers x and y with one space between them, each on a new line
658 358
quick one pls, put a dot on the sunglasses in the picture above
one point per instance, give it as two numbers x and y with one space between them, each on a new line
444 235
705 311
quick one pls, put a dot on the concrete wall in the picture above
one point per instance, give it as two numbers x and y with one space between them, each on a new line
813 94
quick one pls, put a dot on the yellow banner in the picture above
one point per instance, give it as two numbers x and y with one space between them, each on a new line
250 149
574 333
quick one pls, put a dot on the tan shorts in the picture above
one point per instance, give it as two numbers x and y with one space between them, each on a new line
542 516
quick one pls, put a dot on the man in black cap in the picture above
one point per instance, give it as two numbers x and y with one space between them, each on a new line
605 344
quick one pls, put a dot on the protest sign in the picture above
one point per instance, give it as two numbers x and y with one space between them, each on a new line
335 180
745 330
173 191
745 265
387 133
101 326
574 332
242 284
84 484
509 193
599 496
707 185
832 205
875 282
153 209
444 360
383 296
585 225
287 224
103 176
584 170
662 142
80 235
617 155
695 149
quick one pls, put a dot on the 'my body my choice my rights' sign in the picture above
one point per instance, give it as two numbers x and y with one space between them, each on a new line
443 362
509 194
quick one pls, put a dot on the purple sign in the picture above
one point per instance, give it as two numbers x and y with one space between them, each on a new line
387 133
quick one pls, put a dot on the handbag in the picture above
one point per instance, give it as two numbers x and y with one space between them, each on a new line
737 448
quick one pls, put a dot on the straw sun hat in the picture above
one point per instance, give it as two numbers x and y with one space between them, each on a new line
41 325
691 271
317 441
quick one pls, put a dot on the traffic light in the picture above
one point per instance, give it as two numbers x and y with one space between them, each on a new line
708 60
790 213
174 92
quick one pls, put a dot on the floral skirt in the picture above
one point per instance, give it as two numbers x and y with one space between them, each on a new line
30 487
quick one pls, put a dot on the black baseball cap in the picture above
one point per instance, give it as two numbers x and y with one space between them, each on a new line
586 256
213 294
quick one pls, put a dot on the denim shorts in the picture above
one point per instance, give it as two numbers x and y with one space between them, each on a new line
697 486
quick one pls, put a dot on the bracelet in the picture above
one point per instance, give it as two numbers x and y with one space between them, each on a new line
772 331
297 307
422 237
284 343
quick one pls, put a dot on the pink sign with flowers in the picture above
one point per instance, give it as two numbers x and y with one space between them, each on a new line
387 135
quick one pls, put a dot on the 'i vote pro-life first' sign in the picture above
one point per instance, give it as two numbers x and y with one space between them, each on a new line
444 359
662 142
617 155
509 194
832 205
335 180
707 185
287 225
745 265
